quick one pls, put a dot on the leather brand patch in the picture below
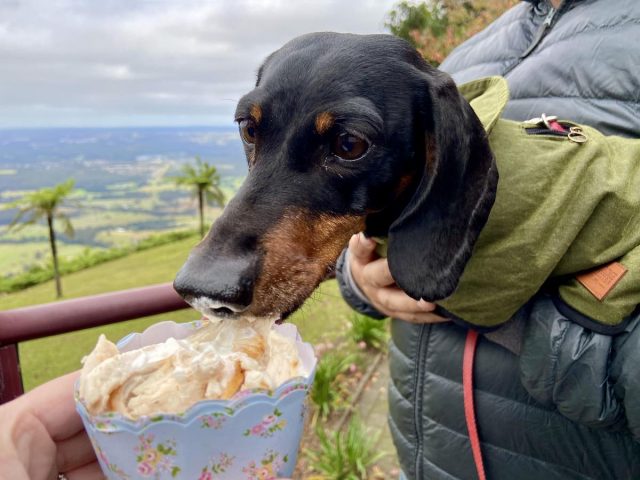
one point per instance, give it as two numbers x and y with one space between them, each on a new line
601 281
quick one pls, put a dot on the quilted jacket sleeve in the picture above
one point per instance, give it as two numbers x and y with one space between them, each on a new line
350 291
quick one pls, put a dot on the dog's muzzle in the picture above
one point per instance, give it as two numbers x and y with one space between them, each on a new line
219 286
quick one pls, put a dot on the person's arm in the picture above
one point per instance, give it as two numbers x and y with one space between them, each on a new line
589 377
365 281
41 435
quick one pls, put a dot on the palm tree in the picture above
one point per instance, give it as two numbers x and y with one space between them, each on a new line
205 179
44 204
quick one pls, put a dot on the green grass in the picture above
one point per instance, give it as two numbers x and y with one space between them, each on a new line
371 331
39 273
347 455
325 393
323 317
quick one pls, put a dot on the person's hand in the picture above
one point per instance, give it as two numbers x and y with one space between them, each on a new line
373 277
41 435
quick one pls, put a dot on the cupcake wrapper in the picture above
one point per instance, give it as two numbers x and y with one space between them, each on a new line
254 435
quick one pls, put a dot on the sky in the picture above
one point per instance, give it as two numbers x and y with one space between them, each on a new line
109 63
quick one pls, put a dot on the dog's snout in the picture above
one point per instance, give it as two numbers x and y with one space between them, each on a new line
219 286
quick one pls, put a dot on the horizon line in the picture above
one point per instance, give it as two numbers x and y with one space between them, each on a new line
87 127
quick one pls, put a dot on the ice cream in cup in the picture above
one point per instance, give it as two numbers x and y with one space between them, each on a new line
198 401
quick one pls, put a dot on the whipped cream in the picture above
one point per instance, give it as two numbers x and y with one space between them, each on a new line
215 362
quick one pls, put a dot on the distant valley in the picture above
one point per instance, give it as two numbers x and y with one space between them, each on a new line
123 182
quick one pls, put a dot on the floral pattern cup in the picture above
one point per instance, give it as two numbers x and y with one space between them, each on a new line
254 435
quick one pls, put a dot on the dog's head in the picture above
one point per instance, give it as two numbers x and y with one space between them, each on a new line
345 133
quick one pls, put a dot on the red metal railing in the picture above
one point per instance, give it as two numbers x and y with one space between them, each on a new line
69 315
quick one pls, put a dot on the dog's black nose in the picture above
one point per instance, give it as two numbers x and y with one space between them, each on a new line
219 286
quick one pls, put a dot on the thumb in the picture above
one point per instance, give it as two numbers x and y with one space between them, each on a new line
362 249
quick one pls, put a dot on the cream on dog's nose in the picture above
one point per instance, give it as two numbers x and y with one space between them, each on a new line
209 307
217 285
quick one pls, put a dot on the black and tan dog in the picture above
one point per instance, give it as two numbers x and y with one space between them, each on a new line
345 133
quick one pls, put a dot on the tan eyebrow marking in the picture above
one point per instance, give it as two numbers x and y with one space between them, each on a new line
256 112
324 121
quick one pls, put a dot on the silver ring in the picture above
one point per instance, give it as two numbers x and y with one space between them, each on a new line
62 476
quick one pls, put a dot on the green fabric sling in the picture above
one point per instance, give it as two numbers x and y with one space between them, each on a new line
562 208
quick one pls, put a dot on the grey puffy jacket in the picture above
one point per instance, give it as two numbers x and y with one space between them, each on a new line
566 404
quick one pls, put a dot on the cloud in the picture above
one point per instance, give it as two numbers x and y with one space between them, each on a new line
88 63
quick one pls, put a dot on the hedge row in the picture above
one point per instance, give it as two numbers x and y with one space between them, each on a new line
88 258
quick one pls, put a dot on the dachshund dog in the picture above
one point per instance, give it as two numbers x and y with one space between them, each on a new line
345 133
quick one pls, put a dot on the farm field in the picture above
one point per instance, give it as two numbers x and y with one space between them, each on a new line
15 256
124 188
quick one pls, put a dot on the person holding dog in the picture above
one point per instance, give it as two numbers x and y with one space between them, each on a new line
559 401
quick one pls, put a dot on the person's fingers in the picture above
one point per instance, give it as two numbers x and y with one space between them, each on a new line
53 404
361 248
377 274
424 317
91 471
372 275
74 452
12 468
394 303
426 306
392 299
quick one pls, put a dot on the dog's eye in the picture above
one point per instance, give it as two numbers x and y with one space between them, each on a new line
348 146
248 131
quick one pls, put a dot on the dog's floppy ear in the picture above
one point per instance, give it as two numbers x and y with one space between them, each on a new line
431 240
